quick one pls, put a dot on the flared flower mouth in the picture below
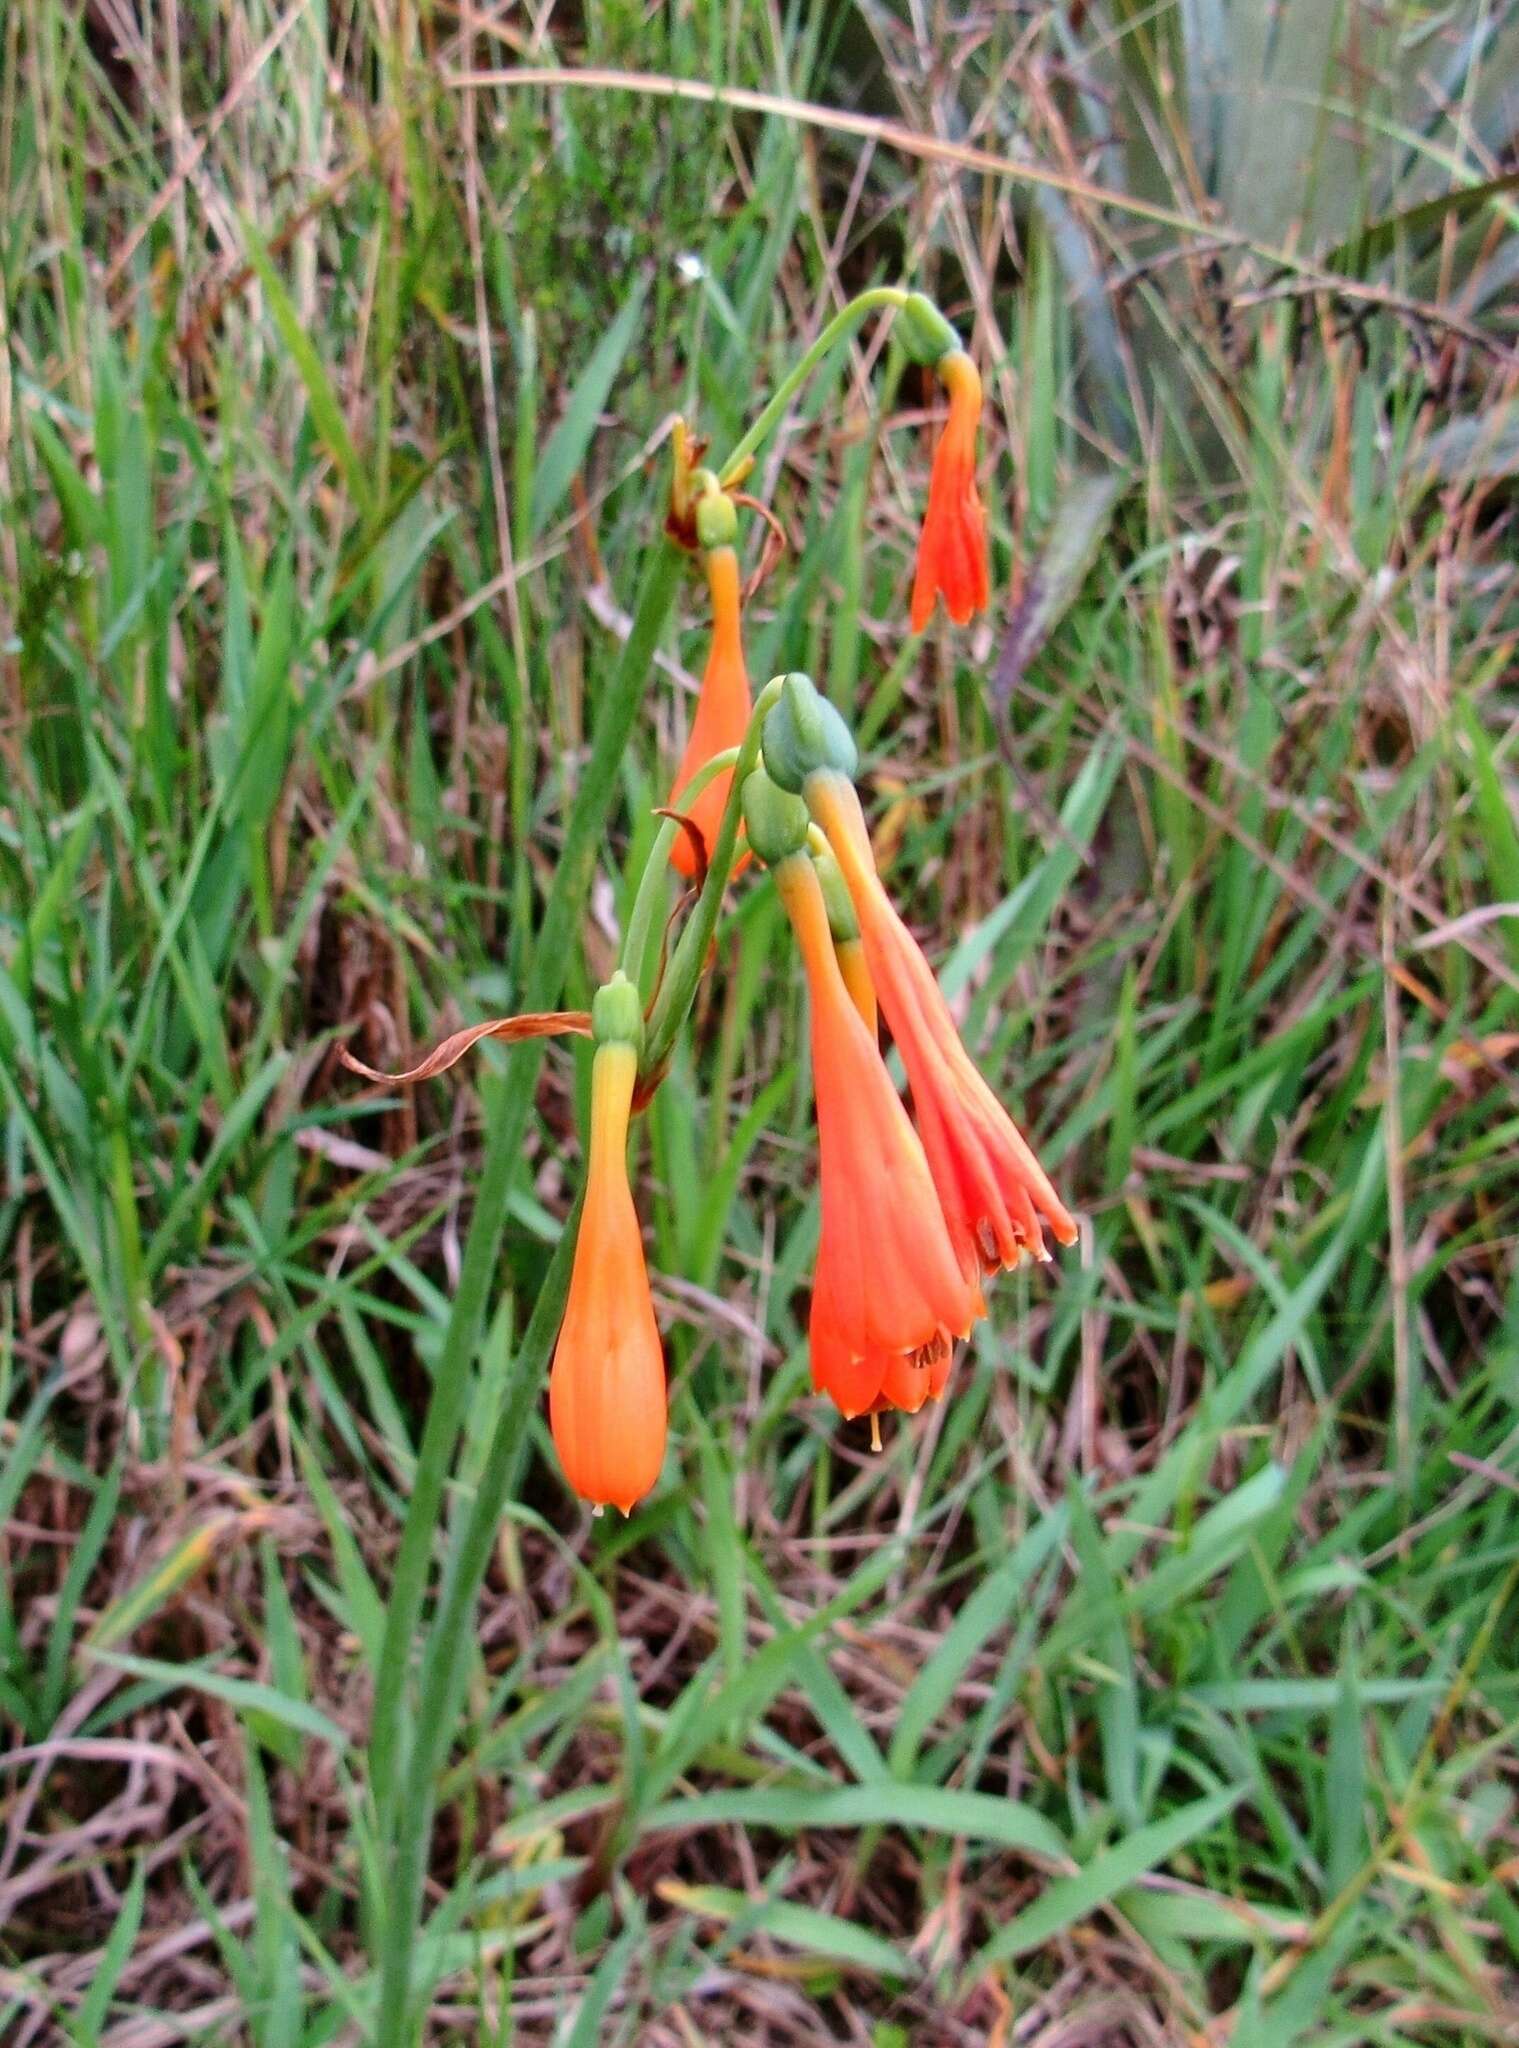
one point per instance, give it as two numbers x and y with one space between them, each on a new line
911 1378
952 546
874 1381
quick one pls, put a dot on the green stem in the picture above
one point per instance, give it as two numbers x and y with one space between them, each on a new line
842 323
636 939
509 1108
678 990
446 1665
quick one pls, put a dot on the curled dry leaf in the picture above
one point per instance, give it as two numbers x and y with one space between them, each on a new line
775 546
695 836
542 1024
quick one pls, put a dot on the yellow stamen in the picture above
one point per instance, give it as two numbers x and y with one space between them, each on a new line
875 1432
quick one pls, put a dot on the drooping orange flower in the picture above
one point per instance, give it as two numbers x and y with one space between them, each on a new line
952 546
993 1191
607 1384
888 1285
722 709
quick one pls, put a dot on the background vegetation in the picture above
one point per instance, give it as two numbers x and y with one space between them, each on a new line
1160 1687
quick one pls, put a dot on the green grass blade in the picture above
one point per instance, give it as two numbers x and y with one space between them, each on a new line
1071 1899
566 446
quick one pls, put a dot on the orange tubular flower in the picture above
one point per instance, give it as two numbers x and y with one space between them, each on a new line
607 1385
952 547
888 1287
993 1190
722 710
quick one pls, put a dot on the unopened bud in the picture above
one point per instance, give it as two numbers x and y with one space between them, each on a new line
924 332
716 520
803 733
775 821
617 1013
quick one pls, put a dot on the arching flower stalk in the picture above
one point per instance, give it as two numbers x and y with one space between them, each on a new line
912 1217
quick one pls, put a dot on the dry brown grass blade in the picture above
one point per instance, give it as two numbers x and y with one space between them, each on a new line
204 316
894 134
185 168
547 1024
1307 276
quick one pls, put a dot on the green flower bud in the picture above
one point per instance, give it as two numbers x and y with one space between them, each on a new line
924 332
804 733
617 1013
776 822
716 520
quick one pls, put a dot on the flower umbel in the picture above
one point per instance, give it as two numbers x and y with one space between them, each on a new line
910 1217
993 1191
952 546
607 1384
915 1208
889 1288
